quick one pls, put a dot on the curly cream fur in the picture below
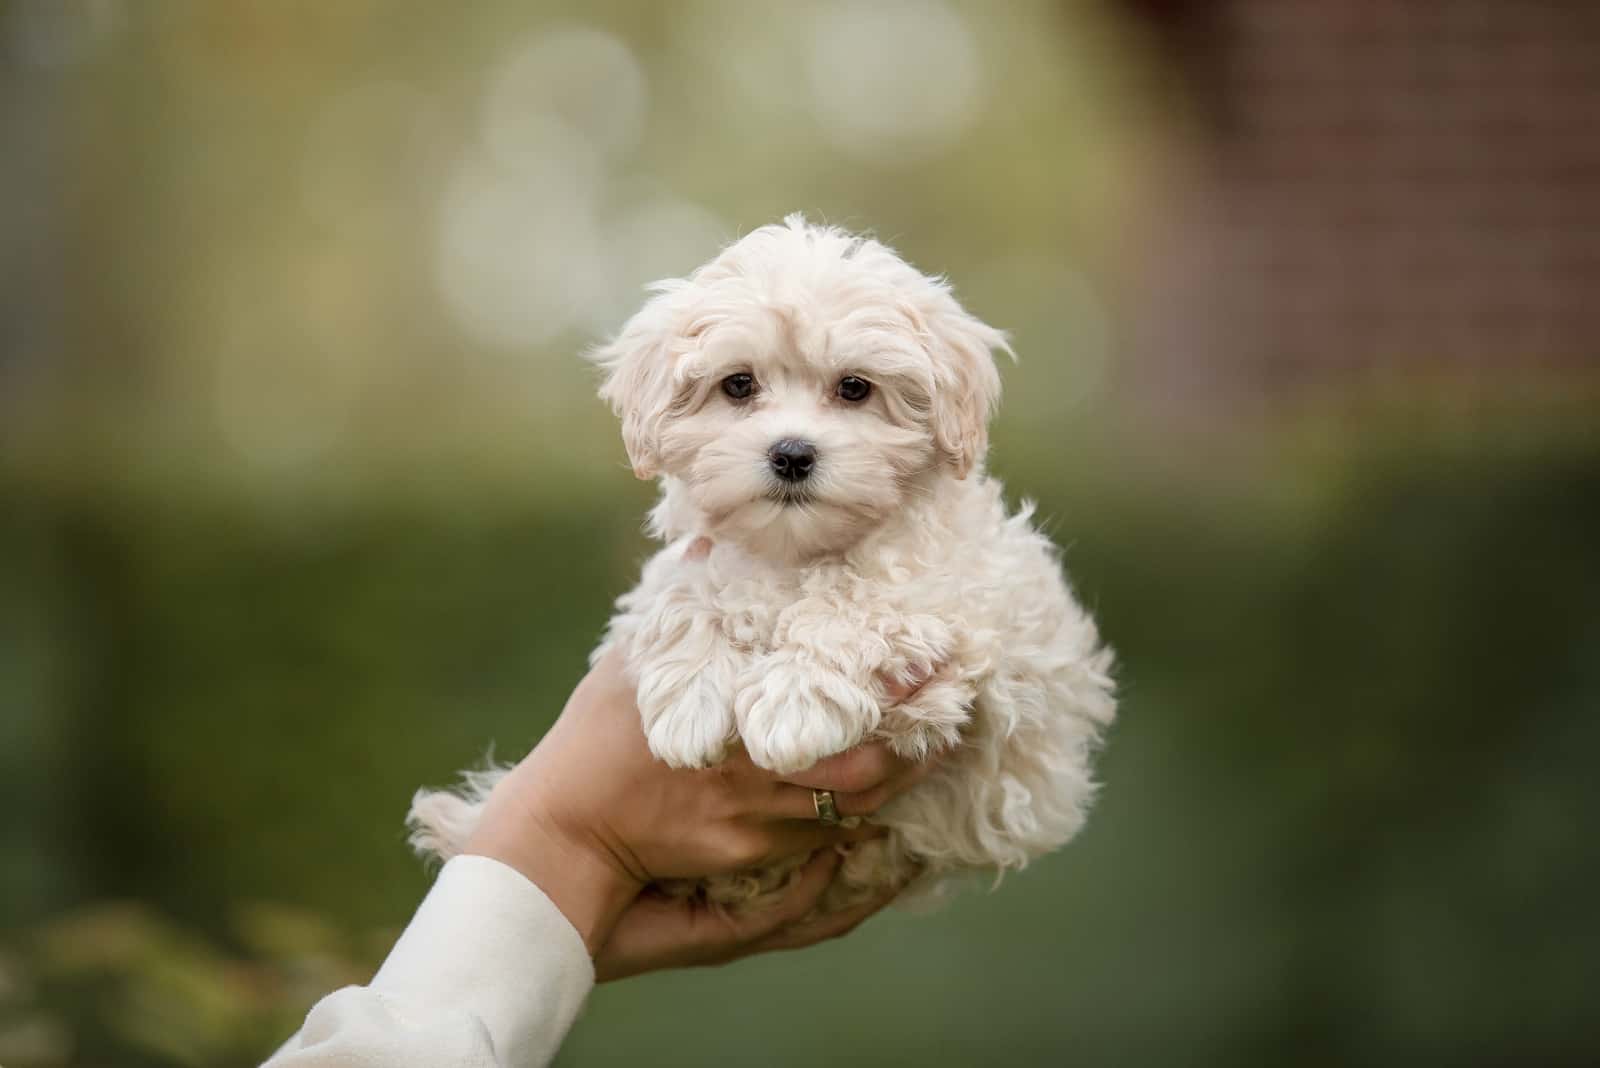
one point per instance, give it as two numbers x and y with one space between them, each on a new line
901 562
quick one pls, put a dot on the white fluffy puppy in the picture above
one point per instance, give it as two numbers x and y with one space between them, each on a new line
818 410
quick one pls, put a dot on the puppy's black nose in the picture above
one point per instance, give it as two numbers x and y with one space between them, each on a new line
792 459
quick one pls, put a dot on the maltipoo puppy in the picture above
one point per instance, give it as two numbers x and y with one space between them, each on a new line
817 410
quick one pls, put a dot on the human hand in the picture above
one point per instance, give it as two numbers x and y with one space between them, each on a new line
657 931
591 818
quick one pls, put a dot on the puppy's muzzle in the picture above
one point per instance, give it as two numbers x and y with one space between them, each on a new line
792 459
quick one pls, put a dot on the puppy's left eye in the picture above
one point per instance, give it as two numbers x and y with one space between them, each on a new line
853 389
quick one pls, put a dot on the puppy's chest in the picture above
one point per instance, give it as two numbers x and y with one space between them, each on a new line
764 610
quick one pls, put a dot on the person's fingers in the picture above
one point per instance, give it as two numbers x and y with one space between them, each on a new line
799 802
655 932
867 802
788 802
799 898
790 838
829 925
853 771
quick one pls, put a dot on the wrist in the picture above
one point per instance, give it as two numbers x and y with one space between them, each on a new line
584 882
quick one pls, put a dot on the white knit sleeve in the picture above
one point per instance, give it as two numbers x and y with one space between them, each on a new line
489 974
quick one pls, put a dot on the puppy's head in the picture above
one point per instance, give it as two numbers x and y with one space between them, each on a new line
800 386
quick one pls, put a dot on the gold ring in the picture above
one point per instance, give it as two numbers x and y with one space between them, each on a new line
827 810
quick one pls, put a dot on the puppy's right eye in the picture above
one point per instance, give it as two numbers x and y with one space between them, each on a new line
739 386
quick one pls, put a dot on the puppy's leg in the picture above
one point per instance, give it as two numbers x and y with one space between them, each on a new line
928 660
686 696
671 636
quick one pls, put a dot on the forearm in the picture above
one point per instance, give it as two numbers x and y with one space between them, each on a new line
489 974
590 891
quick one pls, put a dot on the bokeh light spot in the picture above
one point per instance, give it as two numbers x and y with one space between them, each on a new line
893 80
519 256
583 78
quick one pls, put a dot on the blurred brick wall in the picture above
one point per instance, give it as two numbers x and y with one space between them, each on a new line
1383 190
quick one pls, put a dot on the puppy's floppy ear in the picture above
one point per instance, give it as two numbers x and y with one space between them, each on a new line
966 382
640 383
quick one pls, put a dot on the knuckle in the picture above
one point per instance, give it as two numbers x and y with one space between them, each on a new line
874 799
725 799
883 763
743 846
862 769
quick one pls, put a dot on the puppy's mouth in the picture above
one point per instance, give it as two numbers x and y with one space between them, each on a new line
790 495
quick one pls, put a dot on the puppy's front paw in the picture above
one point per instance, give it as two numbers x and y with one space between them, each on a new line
930 720
792 714
688 725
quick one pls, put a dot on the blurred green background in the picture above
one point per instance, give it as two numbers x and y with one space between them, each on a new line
305 498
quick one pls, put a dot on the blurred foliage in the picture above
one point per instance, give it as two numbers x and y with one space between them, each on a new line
120 980
1344 807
